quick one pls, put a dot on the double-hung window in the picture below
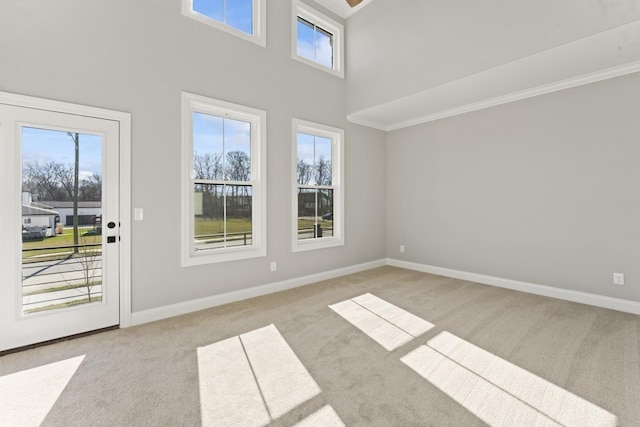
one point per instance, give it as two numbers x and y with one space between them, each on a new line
317 39
318 200
243 18
224 173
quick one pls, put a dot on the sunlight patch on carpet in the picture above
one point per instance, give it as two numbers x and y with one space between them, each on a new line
229 394
323 417
386 324
251 379
283 379
26 397
497 391
404 320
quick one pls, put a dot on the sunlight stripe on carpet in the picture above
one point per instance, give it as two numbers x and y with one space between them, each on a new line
323 417
378 329
560 404
229 394
497 391
404 320
386 324
26 397
251 379
283 379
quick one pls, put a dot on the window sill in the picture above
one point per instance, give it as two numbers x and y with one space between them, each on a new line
337 73
215 256
313 244
258 37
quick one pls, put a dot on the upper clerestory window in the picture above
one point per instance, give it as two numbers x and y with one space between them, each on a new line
317 39
243 18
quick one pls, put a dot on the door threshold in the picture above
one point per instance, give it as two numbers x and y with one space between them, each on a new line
58 340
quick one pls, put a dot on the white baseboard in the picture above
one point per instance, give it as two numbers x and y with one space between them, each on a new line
159 313
531 288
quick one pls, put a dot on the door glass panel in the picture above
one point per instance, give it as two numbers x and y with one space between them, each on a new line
61 219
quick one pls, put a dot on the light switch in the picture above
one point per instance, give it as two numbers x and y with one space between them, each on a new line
138 214
618 279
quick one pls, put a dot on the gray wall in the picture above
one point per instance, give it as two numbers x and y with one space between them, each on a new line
543 190
137 56
397 47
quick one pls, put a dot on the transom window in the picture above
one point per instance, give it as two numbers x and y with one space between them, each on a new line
317 39
315 43
318 198
243 18
224 207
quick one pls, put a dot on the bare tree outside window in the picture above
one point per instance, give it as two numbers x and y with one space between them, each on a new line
305 172
53 181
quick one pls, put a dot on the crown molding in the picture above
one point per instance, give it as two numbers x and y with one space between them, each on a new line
518 96
606 55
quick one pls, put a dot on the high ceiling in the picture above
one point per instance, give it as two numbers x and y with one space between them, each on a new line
340 7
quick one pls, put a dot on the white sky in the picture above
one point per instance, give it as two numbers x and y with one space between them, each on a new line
44 145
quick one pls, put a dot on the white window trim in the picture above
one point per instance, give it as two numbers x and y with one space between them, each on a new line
258 120
321 20
259 20
337 176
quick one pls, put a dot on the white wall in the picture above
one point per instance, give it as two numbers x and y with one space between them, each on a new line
137 56
397 48
543 190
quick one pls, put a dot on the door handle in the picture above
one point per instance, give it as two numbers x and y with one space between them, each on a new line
111 233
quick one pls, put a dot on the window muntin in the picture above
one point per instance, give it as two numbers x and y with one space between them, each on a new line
318 197
243 18
224 210
315 43
317 39
234 13
221 162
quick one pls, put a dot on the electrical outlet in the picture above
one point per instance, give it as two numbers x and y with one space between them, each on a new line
401 249
274 266
618 279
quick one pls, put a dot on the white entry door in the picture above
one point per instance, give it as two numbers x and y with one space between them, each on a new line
59 255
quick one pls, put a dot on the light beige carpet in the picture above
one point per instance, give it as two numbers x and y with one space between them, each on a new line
150 375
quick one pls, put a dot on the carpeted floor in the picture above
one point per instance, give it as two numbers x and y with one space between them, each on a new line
149 376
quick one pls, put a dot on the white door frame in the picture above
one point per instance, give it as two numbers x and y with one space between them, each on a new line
124 120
